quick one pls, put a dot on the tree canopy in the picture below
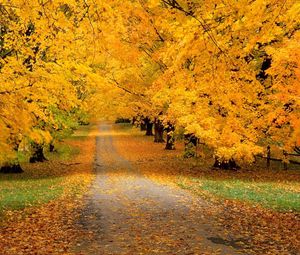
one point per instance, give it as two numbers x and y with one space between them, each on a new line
226 71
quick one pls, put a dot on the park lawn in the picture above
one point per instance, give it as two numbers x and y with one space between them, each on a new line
18 193
274 189
46 181
266 194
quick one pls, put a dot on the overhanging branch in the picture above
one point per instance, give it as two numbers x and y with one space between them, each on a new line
16 89
125 89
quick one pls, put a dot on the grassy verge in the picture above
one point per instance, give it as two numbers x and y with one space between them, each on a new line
41 182
63 151
50 195
21 193
266 194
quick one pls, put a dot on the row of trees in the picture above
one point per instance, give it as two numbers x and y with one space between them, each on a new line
43 89
227 72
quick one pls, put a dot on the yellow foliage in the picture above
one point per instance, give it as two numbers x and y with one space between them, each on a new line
227 71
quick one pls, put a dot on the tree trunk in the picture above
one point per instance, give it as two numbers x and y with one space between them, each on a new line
11 169
143 125
133 121
170 145
149 131
51 147
158 132
227 165
190 145
38 154
149 127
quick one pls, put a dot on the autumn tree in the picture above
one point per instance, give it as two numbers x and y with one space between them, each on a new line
219 80
227 72
39 60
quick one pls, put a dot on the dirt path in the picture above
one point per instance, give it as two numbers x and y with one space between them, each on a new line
131 214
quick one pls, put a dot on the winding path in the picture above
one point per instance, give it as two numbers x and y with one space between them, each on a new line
131 214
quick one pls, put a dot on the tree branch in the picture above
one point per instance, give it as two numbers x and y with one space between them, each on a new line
174 4
16 89
152 22
125 89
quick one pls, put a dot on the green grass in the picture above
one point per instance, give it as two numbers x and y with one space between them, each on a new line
265 194
81 133
18 193
63 152
39 183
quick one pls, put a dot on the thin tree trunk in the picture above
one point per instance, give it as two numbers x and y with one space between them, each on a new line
133 121
51 147
158 131
190 145
143 125
149 127
170 145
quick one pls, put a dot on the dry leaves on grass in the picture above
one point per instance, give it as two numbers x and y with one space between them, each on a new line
261 230
257 230
50 229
